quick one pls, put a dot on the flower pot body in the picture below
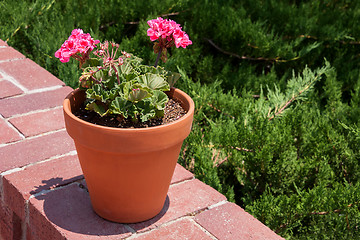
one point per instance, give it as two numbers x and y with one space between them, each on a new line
128 171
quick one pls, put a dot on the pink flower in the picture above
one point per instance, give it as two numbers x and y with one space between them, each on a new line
78 43
181 39
76 32
152 34
61 55
168 30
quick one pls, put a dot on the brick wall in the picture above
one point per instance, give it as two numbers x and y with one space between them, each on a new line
43 194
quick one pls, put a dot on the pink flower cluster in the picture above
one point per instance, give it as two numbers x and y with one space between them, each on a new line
78 42
169 30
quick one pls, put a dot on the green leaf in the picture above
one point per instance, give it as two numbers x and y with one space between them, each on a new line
138 94
125 69
154 82
101 75
151 69
159 100
110 82
97 92
146 110
172 79
121 106
98 108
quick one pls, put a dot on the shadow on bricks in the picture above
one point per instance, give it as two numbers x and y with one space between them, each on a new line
70 212
53 183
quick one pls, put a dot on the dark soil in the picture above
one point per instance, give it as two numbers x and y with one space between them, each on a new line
172 112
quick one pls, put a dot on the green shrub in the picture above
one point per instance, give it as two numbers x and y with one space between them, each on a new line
276 126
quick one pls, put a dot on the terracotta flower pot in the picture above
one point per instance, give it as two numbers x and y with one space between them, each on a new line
128 171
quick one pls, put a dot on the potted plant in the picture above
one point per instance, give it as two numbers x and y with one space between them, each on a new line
127 123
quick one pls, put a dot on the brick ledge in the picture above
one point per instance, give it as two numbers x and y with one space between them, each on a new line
42 190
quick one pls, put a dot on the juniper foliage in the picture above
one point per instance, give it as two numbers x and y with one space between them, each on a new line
277 91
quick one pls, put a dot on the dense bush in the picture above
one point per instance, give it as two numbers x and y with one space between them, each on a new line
277 92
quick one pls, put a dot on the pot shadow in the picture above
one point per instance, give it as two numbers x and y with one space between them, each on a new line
69 208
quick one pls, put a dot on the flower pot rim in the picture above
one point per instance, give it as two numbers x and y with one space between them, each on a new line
184 118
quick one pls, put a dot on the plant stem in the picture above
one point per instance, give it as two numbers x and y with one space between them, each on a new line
117 74
158 57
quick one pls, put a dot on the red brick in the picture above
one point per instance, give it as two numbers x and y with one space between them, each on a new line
9 53
33 150
67 212
29 235
8 134
6 229
17 227
230 221
182 229
3 43
40 122
40 228
34 101
181 174
19 186
29 74
7 89
10 224
183 199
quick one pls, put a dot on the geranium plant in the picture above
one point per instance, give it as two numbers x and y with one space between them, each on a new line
115 81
